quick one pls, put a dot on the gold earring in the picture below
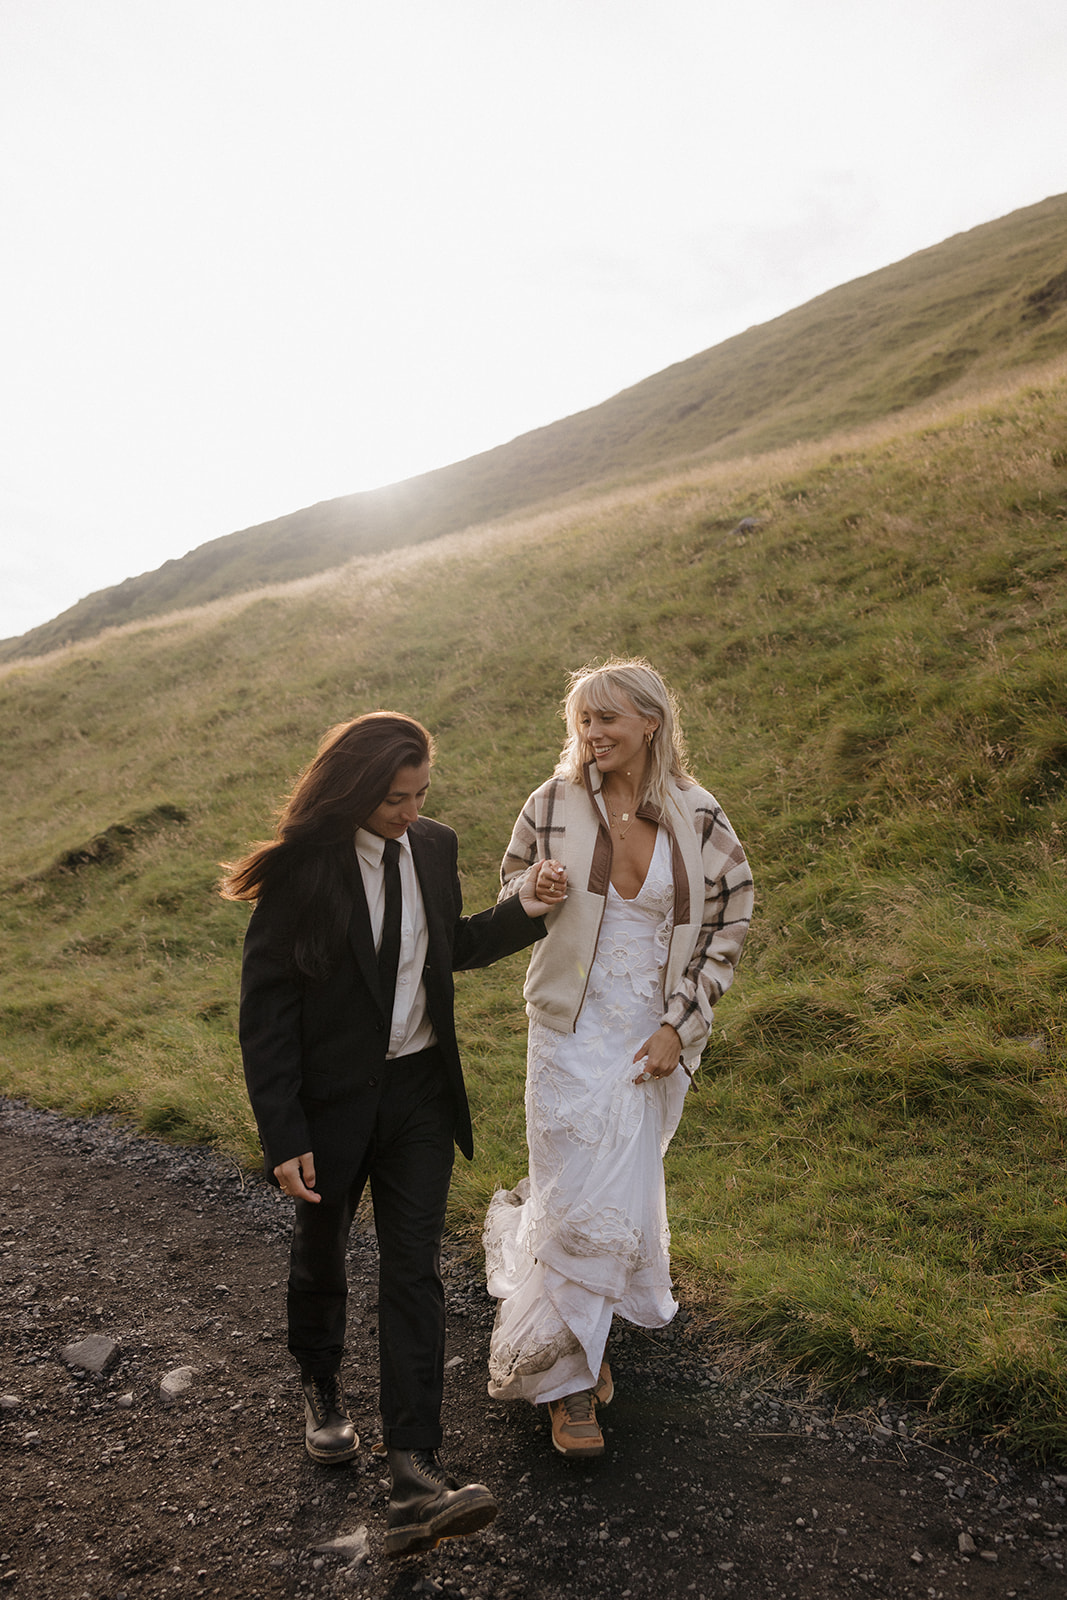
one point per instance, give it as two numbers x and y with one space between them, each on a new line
648 739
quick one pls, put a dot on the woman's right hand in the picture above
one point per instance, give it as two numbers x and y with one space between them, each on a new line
296 1177
545 888
551 882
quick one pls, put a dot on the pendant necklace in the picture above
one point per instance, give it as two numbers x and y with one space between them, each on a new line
616 821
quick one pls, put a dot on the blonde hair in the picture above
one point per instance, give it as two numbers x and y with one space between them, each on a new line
621 687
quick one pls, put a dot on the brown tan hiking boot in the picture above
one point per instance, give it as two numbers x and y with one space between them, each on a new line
575 1430
604 1392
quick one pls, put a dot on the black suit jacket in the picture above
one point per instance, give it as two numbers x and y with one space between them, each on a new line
315 1051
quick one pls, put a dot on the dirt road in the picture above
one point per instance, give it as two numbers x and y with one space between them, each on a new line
172 1263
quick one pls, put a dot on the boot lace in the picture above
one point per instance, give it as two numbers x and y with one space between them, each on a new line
428 1466
326 1395
578 1408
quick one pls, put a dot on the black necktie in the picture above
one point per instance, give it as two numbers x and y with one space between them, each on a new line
389 949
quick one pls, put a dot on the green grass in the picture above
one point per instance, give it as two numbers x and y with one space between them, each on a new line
870 1180
979 306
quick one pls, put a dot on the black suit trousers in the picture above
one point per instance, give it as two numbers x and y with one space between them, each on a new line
408 1165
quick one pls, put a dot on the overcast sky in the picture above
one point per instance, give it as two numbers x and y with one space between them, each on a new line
258 253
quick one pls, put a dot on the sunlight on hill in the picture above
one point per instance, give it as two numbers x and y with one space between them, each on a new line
372 574
982 307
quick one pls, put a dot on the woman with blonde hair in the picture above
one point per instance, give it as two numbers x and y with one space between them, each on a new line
652 899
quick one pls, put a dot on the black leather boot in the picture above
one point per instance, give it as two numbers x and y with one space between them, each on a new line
329 1434
428 1504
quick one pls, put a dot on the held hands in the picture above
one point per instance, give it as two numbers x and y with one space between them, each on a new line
660 1054
296 1177
544 889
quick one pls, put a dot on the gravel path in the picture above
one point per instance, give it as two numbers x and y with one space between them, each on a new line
178 1468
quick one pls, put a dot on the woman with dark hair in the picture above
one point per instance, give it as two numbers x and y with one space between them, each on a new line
353 1071
653 897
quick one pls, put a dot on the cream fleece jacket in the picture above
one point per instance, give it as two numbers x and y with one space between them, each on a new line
713 897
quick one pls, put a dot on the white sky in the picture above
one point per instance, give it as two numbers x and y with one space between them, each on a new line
258 253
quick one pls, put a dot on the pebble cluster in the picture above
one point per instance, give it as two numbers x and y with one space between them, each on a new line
178 1433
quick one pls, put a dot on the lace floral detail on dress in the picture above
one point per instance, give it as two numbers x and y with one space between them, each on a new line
553 1100
662 937
622 955
582 1231
508 1361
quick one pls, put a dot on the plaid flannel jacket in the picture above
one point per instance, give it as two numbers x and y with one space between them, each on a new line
712 909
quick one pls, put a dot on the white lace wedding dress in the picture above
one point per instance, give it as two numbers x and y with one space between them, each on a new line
585 1235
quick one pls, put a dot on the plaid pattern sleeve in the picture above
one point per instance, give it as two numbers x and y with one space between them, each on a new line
728 900
536 836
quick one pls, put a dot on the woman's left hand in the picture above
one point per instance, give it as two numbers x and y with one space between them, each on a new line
660 1054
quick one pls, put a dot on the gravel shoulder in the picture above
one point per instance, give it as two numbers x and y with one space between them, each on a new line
178 1469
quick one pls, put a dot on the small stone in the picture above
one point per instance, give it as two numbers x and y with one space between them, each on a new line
125 1401
94 1354
988 1555
177 1382
916 1558
966 1545
9 1402
353 1546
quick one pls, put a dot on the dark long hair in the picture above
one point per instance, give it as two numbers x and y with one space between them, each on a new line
310 860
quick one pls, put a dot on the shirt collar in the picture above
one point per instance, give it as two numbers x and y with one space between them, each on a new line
371 846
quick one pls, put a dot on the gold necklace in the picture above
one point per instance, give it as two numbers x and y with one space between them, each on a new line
617 823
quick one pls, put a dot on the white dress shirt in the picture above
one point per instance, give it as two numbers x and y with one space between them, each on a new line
411 1029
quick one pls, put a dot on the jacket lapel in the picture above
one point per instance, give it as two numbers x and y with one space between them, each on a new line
686 866
425 870
361 939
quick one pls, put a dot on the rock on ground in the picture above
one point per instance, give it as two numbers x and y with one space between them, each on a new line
178 1468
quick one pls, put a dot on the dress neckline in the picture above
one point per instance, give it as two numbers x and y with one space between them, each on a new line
632 900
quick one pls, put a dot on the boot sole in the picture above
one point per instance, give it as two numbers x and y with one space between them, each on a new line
452 1523
578 1453
333 1458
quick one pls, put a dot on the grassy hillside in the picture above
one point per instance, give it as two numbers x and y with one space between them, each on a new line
870 1179
982 303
